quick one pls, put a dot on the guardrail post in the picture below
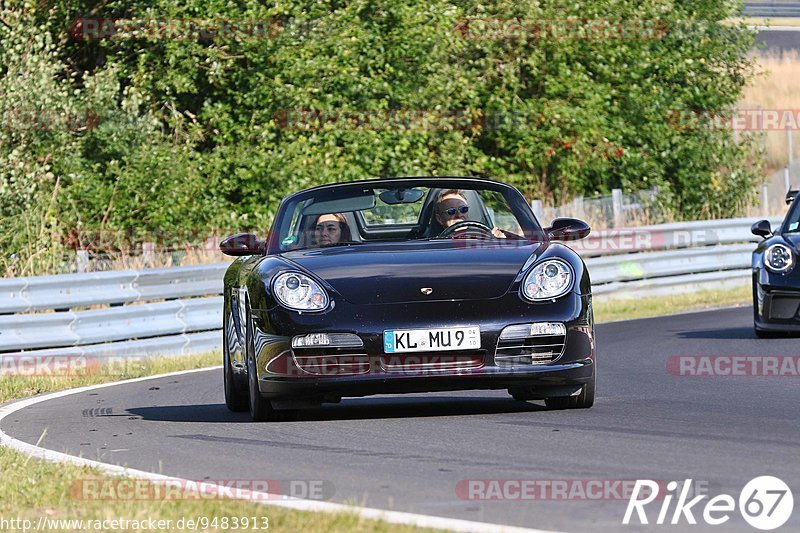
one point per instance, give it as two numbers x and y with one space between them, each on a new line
789 142
577 208
82 261
616 205
211 244
538 210
148 253
764 200
787 183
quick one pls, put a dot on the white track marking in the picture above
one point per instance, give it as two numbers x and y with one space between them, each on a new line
279 500
774 28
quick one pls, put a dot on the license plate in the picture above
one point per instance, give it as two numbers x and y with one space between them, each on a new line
432 340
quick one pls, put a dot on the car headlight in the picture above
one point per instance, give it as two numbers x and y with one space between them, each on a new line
298 292
779 258
547 280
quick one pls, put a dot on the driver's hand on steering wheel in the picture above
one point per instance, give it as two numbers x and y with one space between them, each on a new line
497 232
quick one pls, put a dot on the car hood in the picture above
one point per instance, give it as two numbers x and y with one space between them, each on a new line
397 272
794 239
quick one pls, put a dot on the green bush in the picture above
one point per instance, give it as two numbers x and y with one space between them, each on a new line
192 135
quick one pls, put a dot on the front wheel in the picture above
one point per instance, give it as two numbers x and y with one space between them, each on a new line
766 334
522 394
584 400
261 409
235 398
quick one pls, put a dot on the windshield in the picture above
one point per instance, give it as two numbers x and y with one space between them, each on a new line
792 223
352 215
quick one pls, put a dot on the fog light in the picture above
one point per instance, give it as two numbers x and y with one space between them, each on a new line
542 329
327 340
537 329
312 339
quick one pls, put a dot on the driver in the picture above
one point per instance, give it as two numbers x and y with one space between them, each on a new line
452 208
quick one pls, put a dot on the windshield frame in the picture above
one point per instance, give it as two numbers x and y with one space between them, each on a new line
532 230
792 214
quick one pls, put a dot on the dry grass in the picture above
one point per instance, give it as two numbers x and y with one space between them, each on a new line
613 310
762 21
43 261
776 87
159 259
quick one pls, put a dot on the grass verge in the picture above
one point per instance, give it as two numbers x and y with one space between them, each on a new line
615 310
764 21
32 489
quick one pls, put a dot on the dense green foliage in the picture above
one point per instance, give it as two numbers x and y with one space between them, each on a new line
179 136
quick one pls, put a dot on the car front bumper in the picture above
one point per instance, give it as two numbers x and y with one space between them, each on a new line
549 380
286 373
777 310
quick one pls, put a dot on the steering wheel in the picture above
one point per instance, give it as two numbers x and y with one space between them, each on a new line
467 228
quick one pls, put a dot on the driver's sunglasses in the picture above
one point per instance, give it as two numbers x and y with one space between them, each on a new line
452 211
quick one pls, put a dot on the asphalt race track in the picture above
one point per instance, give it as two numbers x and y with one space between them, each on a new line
408 453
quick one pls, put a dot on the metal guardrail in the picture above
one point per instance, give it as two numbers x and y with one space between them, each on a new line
686 283
71 328
189 343
187 316
771 9
672 258
631 267
676 235
18 295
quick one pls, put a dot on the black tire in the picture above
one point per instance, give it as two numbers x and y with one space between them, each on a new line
261 409
584 400
521 394
766 334
236 399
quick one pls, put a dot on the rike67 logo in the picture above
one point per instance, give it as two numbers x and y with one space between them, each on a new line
765 503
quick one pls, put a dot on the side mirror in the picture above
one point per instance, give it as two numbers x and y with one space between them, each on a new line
242 244
568 229
762 228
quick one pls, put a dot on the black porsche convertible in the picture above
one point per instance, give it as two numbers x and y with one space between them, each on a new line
406 285
776 278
